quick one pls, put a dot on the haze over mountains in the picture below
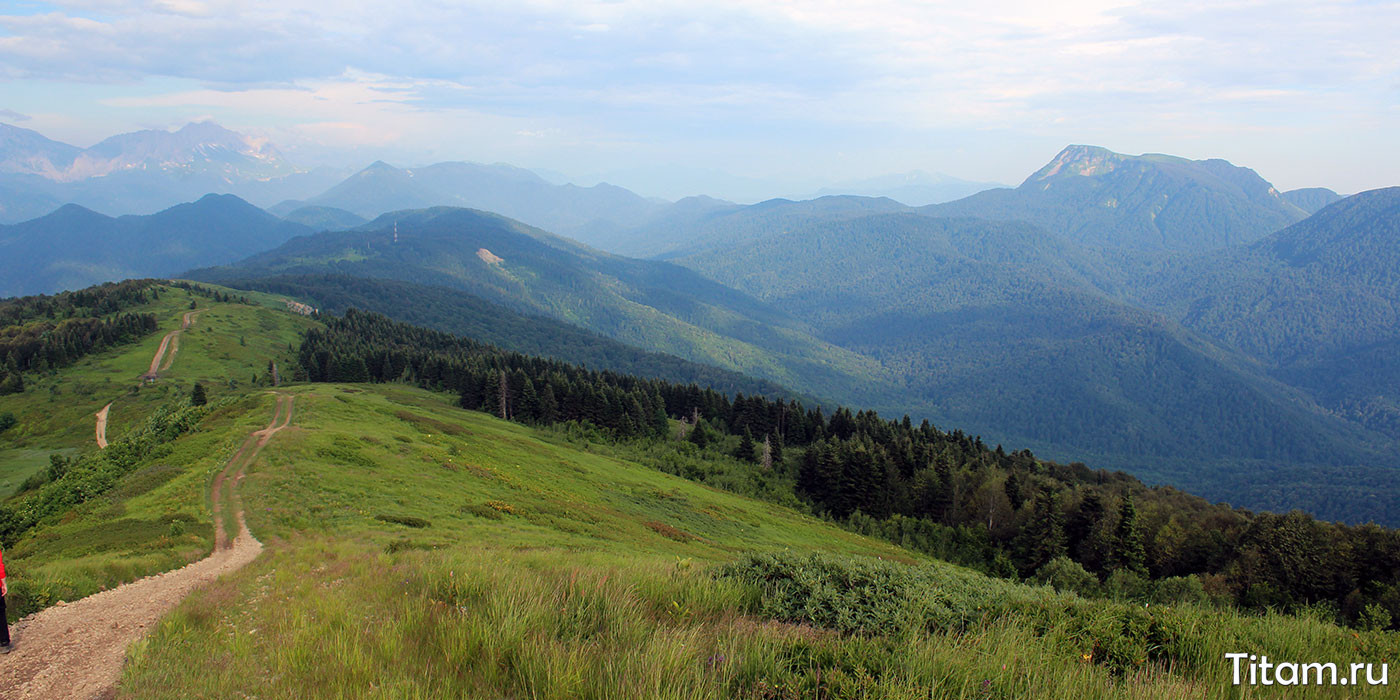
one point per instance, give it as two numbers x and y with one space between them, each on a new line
1180 318
1099 198
144 171
74 247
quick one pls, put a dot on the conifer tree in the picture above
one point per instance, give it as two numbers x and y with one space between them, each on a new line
699 435
1013 490
746 446
549 406
1043 537
197 395
1128 550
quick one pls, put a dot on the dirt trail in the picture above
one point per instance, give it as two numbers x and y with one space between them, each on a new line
102 427
76 650
170 342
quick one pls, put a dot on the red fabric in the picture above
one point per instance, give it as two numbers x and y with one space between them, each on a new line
2 565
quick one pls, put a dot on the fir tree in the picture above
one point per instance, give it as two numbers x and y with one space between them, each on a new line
549 406
1043 537
699 435
1013 490
1128 550
197 395
746 446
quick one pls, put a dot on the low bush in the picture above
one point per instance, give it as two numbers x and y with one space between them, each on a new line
406 520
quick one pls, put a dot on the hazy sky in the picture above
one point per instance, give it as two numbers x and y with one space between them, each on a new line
1306 93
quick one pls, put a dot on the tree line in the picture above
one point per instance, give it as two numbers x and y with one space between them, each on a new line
940 491
43 332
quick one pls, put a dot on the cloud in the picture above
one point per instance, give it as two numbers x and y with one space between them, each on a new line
664 71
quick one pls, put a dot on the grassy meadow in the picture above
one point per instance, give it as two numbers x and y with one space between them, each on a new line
417 550
158 516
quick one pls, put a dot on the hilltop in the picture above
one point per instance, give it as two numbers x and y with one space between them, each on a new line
606 541
1150 202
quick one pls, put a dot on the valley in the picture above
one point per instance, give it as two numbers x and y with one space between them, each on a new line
408 543
699 351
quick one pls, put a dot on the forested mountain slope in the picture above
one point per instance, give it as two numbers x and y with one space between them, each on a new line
1151 202
1311 199
73 247
460 313
699 224
631 527
1318 303
993 327
651 305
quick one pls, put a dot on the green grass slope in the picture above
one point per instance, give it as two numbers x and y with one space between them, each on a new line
156 517
418 550
226 346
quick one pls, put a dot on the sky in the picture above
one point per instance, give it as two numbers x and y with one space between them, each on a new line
674 98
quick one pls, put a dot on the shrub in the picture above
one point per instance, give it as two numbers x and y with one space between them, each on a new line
1374 618
667 531
1124 585
481 510
1065 574
7 421
406 520
1180 589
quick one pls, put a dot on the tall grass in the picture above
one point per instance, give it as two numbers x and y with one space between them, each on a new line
539 574
322 619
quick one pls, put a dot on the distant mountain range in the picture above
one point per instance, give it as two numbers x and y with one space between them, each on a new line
74 247
1311 199
1182 319
1099 198
144 171
504 189
916 188
1001 328
194 148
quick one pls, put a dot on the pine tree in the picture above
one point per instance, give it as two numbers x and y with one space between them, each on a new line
528 410
746 446
1128 550
197 396
1043 537
13 383
549 406
1013 490
940 500
1082 522
700 435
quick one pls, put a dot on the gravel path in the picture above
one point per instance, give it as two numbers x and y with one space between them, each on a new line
102 427
76 650
171 341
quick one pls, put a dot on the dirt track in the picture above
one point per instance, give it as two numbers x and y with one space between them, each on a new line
170 342
76 650
102 427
